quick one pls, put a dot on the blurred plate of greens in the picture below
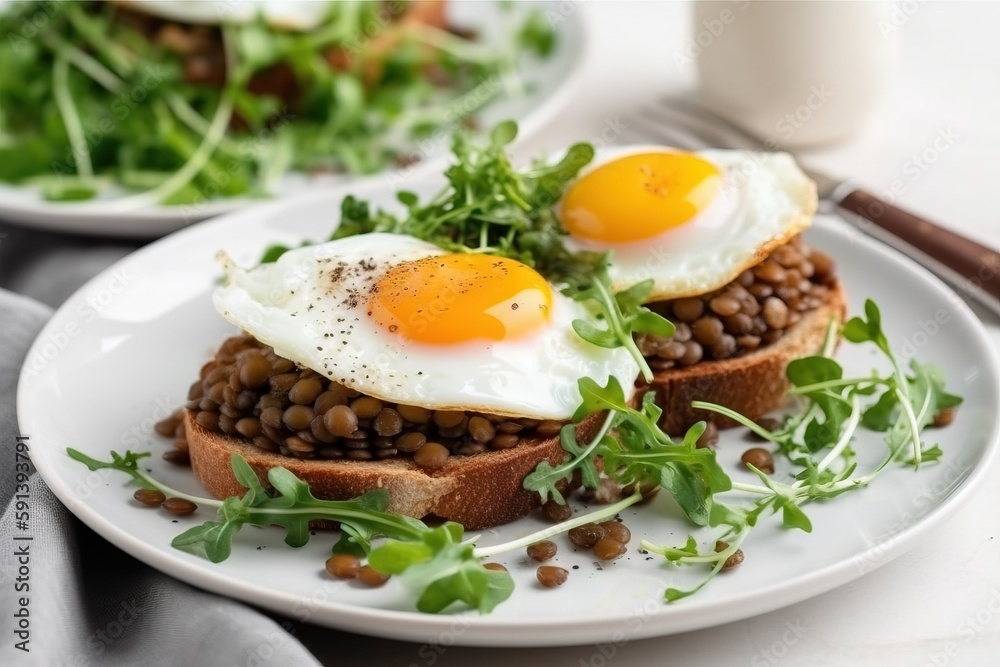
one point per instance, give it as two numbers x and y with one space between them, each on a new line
120 122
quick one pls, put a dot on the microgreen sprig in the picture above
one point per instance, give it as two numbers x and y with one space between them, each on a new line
818 439
623 315
489 206
128 463
435 564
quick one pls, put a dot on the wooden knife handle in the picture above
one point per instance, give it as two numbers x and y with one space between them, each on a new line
974 262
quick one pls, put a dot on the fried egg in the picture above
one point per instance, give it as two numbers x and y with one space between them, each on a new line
288 14
402 320
691 222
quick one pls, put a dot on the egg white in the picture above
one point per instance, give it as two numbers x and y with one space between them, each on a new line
311 306
289 14
765 200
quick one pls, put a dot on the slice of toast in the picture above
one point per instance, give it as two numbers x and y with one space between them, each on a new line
478 491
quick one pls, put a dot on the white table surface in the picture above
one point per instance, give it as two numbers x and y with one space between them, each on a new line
915 609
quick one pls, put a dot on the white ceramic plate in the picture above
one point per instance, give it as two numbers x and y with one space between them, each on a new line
550 84
122 351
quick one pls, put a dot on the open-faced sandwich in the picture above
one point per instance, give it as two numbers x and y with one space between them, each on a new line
718 235
380 361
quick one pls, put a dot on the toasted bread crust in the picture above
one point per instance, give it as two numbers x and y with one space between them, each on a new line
478 491
753 384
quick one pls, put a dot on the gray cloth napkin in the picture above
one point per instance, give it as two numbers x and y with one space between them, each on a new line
88 602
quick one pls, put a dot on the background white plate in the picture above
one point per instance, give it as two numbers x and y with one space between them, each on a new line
122 351
552 82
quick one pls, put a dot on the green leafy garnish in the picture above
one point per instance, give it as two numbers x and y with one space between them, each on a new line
537 35
443 571
293 508
623 315
127 463
434 563
636 452
90 100
488 206
818 439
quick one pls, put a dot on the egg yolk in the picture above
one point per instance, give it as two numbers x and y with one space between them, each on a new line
459 298
639 196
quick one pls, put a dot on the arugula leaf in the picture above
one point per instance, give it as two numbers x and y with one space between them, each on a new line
443 571
930 454
689 490
294 508
689 555
725 514
923 398
214 539
640 451
595 335
927 392
127 463
597 398
273 253
817 371
546 478
918 397
623 315
818 439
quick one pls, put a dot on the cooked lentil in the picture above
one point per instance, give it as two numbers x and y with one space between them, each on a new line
149 497
709 437
551 576
167 427
616 531
251 392
608 548
177 456
431 455
178 506
368 575
759 458
587 535
734 560
343 566
944 417
542 551
555 512
754 310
